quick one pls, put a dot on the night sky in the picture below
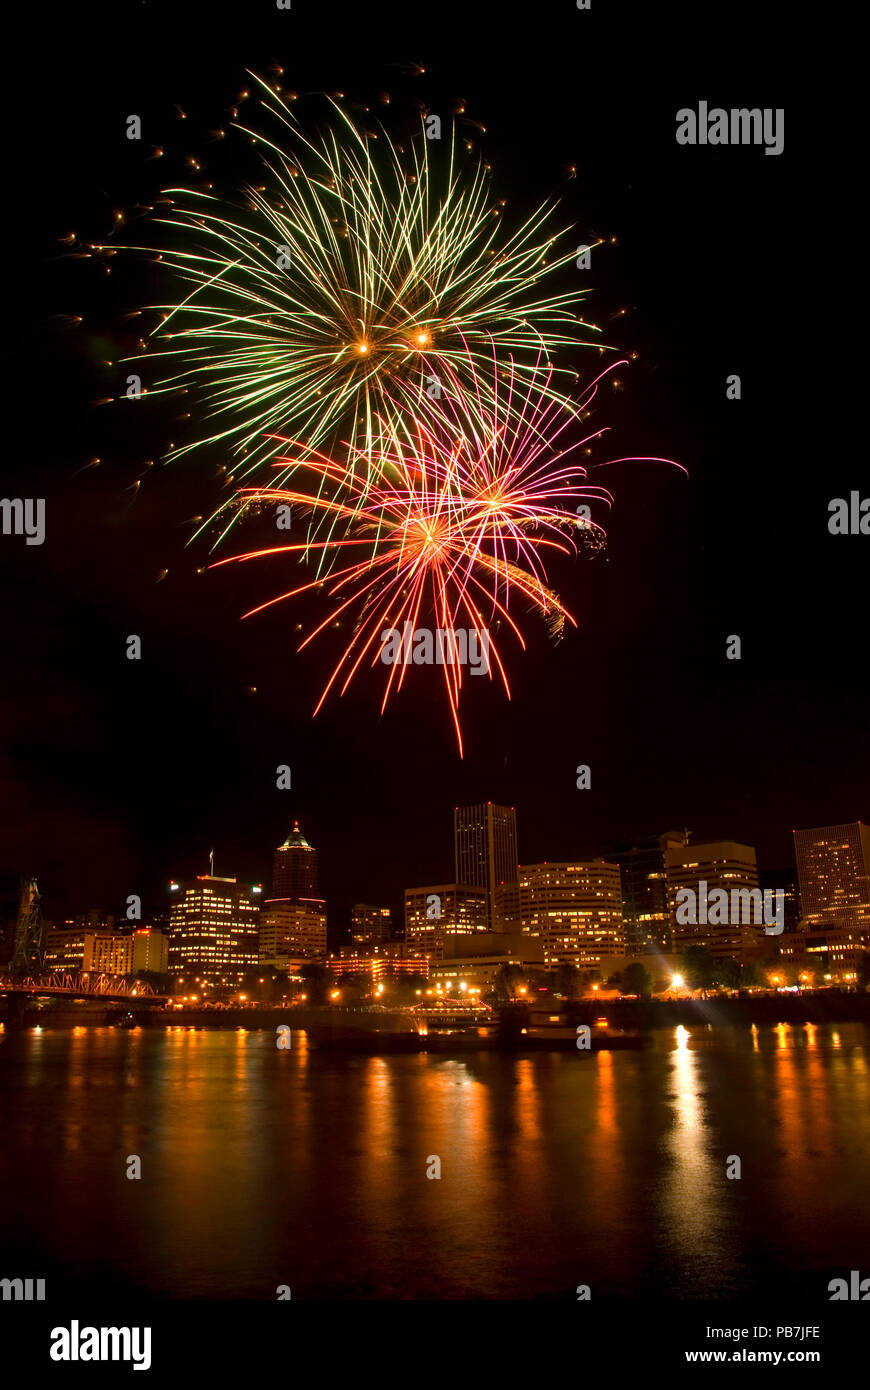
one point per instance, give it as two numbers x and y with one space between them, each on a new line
117 775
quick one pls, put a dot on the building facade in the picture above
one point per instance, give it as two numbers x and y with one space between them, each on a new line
646 919
476 962
485 848
83 947
783 881
108 953
833 864
708 869
442 910
574 909
370 926
294 867
150 950
64 947
213 930
392 961
291 928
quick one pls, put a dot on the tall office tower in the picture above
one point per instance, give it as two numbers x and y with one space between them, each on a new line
485 842
833 866
293 920
294 867
370 926
574 908
290 929
645 913
704 869
213 930
433 913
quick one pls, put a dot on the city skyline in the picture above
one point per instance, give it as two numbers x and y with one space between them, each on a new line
675 849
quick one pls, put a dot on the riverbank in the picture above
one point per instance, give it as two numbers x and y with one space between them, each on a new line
639 1015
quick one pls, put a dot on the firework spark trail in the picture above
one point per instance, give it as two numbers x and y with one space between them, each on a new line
454 519
396 273
365 324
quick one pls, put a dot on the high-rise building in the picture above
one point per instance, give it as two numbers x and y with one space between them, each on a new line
65 946
433 913
213 929
291 928
485 843
293 920
707 869
575 909
370 926
294 867
108 953
89 942
150 950
646 919
833 864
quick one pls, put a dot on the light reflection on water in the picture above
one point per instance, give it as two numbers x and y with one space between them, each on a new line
262 1167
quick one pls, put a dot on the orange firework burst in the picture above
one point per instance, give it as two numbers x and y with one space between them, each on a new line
451 529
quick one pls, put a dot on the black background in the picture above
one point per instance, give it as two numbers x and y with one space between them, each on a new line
118 775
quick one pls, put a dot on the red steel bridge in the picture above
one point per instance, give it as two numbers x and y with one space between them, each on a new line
27 978
81 984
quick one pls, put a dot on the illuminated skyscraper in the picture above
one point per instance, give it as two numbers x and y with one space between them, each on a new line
370 926
293 920
108 953
833 864
434 913
150 950
485 840
294 867
65 947
291 928
705 869
575 909
644 893
213 929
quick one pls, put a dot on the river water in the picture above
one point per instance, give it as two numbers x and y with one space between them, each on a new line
263 1167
